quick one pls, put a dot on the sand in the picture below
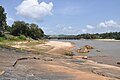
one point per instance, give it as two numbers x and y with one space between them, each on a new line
59 47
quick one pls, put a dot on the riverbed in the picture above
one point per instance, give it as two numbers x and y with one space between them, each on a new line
18 64
107 52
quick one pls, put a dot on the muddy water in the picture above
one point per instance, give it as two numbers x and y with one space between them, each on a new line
109 51
106 48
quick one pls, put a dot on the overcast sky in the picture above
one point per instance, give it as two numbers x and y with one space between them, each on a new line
66 16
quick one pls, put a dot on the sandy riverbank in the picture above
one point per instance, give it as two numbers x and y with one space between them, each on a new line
49 47
106 39
38 68
59 47
110 60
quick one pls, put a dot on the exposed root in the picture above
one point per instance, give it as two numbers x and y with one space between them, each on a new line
26 58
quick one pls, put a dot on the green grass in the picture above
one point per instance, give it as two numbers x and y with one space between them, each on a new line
8 37
32 45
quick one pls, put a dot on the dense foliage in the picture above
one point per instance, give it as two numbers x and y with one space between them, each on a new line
19 29
3 24
29 30
111 35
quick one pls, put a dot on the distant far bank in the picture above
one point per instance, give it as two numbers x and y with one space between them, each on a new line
102 36
106 39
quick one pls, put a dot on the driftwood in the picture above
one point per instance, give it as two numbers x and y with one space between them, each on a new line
26 58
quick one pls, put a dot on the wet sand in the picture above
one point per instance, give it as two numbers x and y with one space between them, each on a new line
105 60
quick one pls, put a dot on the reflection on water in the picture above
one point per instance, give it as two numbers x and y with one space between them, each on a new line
107 48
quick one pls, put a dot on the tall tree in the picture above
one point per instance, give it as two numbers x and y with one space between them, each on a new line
3 23
29 30
20 28
35 31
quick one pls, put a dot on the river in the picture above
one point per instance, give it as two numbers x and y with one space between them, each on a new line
109 50
106 48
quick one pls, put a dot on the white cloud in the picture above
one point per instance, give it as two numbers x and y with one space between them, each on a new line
10 21
109 23
64 29
102 24
106 26
84 30
71 10
34 10
59 26
89 27
70 27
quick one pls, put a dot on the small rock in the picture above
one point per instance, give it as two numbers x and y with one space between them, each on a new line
97 50
84 57
118 63
48 59
83 50
89 47
36 58
2 71
68 57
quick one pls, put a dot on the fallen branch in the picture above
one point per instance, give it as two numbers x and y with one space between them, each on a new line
26 58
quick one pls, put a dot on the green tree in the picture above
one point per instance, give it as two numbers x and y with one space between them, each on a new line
29 30
35 32
20 28
3 24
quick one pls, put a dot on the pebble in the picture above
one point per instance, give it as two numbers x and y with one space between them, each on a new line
2 72
48 59
98 50
84 57
118 63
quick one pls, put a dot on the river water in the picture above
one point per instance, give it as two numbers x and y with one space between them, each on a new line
106 48
109 50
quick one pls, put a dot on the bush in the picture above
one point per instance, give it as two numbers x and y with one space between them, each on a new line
69 53
22 37
14 38
2 39
10 37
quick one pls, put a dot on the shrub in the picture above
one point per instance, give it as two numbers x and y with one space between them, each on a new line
22 37
14 38
2 39
10 37
69 53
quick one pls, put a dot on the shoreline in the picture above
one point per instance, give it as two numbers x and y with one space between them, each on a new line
107 40
101 59
59 45
107 60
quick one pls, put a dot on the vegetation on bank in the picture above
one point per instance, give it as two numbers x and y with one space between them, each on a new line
111 35
19 30
34 46
69 53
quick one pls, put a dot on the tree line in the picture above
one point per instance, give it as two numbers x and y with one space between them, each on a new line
18 28
110 35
